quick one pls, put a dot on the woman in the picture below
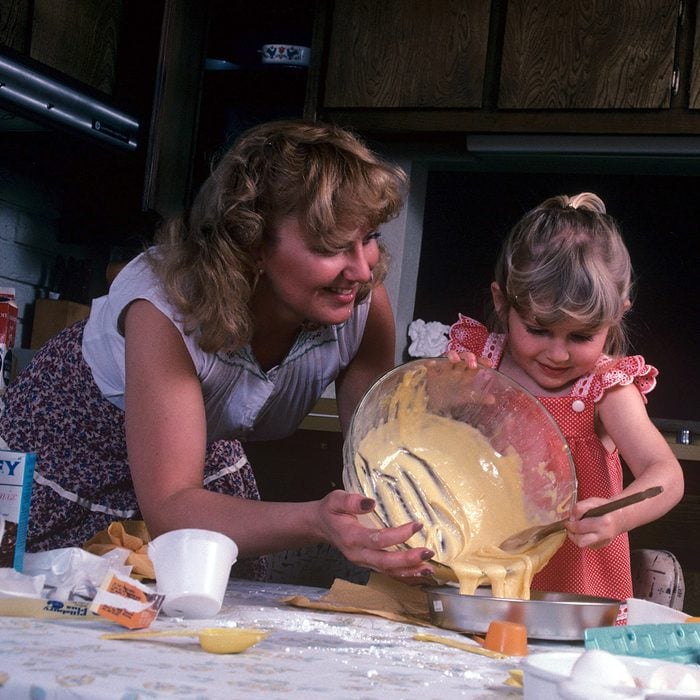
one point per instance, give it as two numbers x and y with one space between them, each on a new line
231 327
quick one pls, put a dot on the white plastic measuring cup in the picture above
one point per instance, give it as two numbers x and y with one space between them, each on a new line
192 569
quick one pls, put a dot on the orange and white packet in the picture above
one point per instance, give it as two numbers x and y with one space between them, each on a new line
126 601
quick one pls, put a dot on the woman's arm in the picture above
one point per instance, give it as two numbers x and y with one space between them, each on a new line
166 442
624 422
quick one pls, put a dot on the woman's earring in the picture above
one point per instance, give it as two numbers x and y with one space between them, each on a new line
258 274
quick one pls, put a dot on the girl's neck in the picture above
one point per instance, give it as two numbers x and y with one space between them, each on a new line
513 371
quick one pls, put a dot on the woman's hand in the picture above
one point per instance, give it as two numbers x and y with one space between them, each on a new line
369 547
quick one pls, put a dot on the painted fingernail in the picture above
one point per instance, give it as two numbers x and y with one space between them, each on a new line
427 554
367 504
416 527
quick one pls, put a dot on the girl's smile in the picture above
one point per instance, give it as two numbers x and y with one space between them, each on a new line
552 371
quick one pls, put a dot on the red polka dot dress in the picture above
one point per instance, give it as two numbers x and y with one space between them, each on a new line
601 572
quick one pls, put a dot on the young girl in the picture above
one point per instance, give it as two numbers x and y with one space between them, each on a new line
563 284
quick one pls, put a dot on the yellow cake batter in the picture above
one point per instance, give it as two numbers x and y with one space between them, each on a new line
444 473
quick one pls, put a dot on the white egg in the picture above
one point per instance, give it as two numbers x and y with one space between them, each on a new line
602 668
674 677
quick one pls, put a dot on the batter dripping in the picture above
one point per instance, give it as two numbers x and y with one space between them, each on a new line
445 474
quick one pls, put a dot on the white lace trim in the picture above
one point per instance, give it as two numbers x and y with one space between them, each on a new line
231 469
79 500
99 508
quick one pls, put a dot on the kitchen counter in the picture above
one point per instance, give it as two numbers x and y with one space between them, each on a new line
324 417
309 653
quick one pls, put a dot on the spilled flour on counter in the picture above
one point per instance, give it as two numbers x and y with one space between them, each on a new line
445 473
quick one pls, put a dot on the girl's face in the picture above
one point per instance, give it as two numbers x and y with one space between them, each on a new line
556 356
302 284
551 358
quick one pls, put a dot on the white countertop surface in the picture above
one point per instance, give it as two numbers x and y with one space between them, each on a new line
309 654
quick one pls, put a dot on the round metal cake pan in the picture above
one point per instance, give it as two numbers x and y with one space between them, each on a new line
547 616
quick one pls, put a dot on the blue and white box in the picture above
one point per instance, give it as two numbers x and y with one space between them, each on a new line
16 475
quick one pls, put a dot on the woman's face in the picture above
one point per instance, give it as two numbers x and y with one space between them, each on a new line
300 283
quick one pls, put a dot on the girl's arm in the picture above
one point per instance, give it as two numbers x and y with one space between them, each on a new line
624 422
166 442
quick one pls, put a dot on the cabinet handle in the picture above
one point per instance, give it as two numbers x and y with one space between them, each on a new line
675 79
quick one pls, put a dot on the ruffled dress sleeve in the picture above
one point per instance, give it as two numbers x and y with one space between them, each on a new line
623 371
469 335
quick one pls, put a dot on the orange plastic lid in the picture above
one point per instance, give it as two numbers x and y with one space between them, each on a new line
507 637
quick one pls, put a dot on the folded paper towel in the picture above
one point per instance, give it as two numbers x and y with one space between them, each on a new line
128 534
383 596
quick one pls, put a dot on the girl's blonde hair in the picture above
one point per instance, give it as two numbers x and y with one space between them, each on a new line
565 260
324 175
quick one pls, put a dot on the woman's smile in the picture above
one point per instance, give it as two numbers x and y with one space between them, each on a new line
346 293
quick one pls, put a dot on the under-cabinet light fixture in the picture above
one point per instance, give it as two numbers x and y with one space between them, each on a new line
25 84
583 144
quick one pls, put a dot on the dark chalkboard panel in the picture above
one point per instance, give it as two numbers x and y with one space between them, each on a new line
468 213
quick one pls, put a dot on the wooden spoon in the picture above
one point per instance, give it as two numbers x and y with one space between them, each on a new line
539 532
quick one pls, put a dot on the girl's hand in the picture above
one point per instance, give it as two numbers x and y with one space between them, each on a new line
592 532
469 357
368 547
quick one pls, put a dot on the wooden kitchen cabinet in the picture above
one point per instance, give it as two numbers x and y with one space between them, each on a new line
552 66
588 54
14 24
147 58
175 107
151 58
407 53
694 86
77 37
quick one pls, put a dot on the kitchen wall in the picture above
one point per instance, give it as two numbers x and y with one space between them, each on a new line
30 210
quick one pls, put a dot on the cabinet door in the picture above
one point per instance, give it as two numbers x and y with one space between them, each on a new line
407 53
588 54
14 24
694 89
169 160
78 38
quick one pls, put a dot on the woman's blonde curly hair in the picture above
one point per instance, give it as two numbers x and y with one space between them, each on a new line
566 260
323 174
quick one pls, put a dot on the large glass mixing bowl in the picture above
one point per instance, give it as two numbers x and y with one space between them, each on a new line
396 470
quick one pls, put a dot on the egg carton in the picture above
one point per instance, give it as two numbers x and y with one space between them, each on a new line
670 642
